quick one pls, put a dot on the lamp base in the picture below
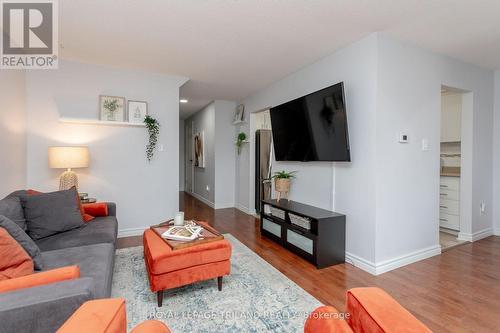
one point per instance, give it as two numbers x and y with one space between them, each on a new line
68 180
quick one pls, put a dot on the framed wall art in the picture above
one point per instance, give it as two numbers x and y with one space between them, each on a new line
137 111
112 108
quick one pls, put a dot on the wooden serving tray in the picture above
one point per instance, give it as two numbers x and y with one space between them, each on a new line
208 235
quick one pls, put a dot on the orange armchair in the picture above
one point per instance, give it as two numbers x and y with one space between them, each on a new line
107 316
368 310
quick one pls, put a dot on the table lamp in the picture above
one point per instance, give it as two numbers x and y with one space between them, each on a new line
68 158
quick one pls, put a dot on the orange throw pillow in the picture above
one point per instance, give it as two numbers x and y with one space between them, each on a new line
96 209
14 261
33 192
42 278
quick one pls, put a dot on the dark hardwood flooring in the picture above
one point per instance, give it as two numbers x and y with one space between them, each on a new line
458 291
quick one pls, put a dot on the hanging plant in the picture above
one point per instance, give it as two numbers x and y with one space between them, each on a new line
153 127
240 140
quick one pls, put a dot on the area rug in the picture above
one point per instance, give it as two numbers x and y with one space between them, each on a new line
256 297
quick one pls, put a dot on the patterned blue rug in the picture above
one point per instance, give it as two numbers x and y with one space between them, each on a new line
256 297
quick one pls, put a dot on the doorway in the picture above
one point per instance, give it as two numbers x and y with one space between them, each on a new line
188 156
453 106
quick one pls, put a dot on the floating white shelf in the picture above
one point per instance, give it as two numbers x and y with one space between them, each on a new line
245 141
239 122
99 122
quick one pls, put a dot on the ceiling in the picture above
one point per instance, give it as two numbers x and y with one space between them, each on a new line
232 48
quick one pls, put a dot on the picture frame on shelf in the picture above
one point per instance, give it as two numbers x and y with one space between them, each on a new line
239 114
111 108
137 111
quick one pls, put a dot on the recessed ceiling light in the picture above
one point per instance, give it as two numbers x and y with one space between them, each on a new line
183 100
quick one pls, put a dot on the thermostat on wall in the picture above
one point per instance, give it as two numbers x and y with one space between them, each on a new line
403 138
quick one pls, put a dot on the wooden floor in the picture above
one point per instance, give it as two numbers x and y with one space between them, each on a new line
458 291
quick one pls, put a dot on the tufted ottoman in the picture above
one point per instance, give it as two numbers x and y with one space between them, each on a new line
169 268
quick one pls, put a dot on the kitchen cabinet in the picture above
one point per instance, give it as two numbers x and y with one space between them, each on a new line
449 203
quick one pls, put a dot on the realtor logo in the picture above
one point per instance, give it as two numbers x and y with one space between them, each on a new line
30 34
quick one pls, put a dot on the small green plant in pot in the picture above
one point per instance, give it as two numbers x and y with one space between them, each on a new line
153 127
240 140
282 181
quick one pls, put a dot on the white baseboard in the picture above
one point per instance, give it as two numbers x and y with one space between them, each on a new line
224 205
366 265
476 235
389 265
243 208
128 232
202 199
496 232
410 258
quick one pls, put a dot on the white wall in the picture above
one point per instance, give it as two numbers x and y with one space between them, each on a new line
225 152
408 100
496 156
390 191
182 154
12 131
145 193
346 187
204 120
219 172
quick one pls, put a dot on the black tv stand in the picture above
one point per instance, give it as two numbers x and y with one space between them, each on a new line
323 244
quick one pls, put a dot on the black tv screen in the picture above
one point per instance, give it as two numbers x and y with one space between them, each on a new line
312 127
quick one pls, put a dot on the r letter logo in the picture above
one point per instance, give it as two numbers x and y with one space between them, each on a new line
30 34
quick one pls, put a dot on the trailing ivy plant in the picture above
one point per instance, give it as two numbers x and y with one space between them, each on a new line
153 127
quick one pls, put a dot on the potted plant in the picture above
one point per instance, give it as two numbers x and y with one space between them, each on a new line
240 140
282 182
153 127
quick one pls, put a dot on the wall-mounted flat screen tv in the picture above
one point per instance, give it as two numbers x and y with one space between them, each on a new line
312 127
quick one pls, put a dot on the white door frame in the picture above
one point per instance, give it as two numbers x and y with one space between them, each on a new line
188 156
466 150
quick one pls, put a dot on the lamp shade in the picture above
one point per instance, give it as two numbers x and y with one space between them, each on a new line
68 157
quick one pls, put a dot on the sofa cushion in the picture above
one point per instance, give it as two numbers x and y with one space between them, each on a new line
24 240
42 309
14 261
99 230
151 326
51 213
21 194
11 207
102 316
326 319
40 279
95 261
374 310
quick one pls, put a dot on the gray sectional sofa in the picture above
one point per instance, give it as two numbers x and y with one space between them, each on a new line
46 308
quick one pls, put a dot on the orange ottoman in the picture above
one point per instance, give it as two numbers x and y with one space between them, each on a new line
169 268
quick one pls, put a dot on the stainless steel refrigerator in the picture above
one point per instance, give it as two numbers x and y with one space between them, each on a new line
263 165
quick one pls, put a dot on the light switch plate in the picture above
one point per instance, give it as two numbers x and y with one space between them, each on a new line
482 208
425 144
403 138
